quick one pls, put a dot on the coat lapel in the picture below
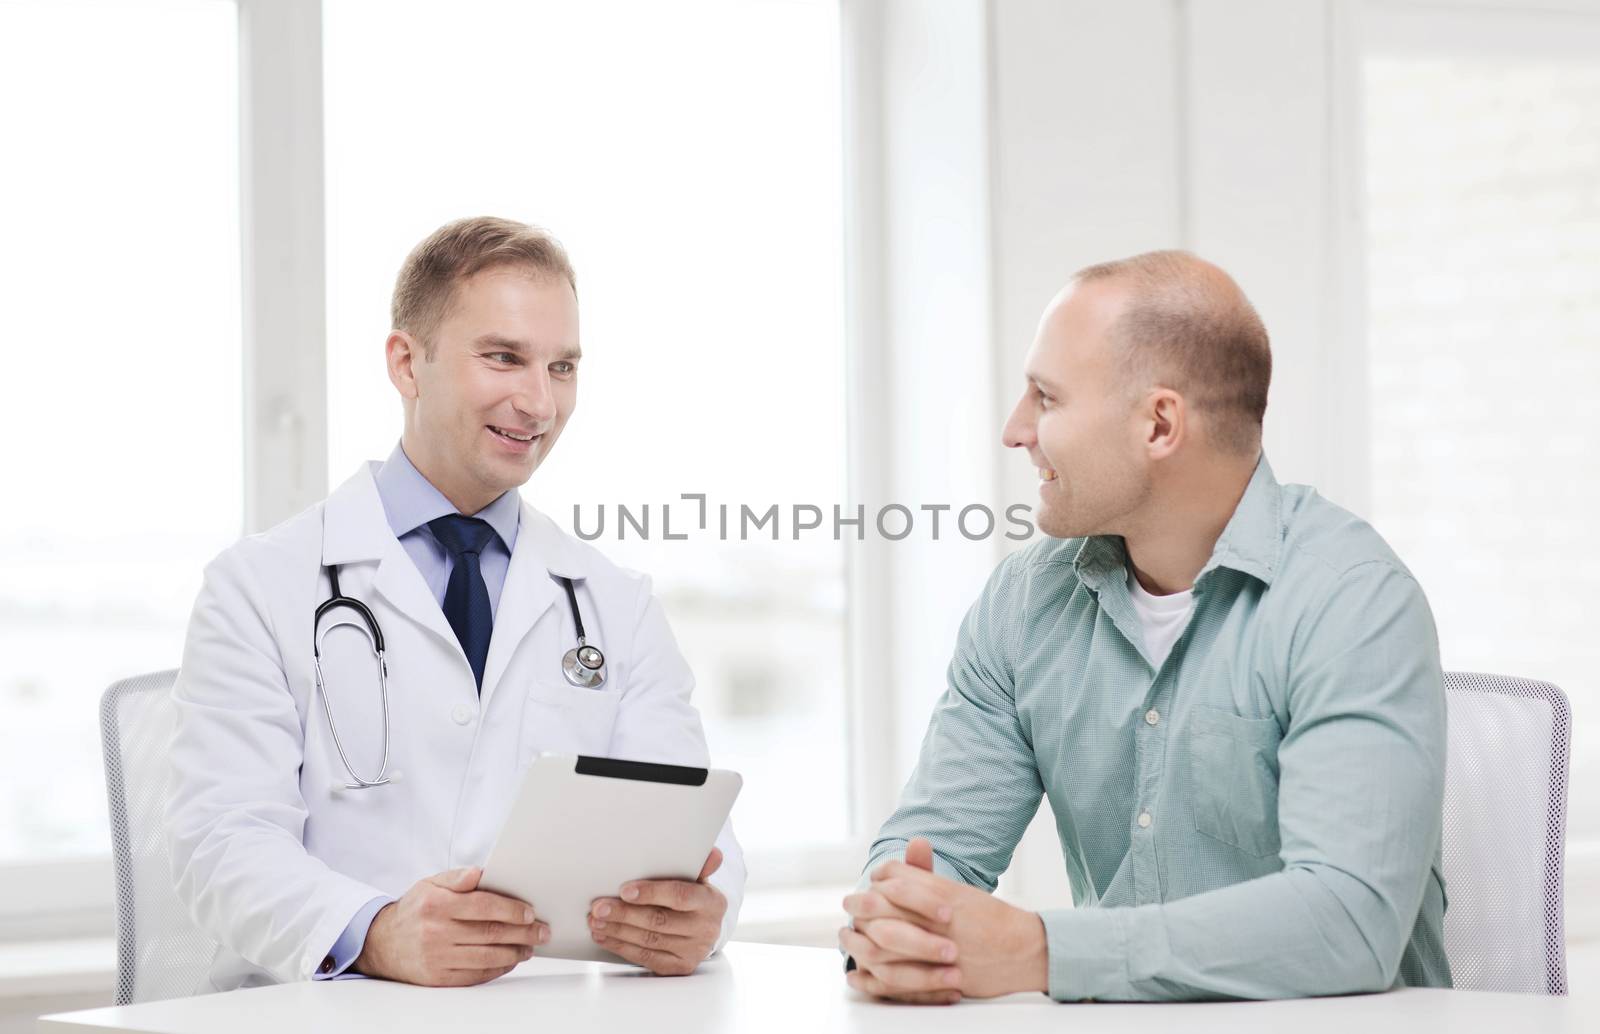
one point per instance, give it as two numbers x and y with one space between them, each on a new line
540 556
356 531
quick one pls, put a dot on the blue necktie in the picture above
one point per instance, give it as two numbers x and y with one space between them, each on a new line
466 597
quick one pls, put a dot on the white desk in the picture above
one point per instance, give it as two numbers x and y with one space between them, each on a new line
762 988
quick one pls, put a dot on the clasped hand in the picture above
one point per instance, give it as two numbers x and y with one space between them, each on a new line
918 937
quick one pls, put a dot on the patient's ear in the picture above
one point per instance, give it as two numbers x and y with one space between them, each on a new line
1168 423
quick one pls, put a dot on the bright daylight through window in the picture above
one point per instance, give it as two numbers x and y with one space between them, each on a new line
121 400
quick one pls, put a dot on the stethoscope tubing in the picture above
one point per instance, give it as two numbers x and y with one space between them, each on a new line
593 668
375 639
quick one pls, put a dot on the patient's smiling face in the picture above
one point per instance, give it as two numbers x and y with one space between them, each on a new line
1079 424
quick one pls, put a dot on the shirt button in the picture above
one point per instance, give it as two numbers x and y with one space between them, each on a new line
462 714
1144 820
327 965
1152 716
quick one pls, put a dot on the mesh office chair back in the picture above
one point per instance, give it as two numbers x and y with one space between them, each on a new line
1505 820
160 952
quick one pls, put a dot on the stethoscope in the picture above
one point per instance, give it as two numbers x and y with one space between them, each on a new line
584 667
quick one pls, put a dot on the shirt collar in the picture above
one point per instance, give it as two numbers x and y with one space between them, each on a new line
411 500
1253 537
1249 543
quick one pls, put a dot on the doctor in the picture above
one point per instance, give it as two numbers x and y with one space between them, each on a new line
327 823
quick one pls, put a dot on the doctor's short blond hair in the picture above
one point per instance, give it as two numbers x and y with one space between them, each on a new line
455 251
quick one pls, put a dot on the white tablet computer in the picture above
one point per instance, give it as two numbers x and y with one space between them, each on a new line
582 827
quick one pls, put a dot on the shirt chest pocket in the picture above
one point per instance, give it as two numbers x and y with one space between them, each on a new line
567 720
1233 779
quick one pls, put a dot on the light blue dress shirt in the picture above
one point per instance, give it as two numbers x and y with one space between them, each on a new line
410 501
1258 815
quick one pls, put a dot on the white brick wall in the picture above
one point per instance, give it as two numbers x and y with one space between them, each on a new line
1484 277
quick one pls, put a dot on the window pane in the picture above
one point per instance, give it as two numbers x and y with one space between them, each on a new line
688 156
120 408
1485 342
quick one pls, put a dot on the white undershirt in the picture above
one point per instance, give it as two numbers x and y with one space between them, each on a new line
1161 617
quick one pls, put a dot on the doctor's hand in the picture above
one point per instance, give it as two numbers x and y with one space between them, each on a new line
666 926
918 937
445 932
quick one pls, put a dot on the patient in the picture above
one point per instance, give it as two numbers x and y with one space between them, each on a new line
1229 690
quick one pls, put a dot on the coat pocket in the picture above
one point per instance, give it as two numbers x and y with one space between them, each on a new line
1233 779
567 720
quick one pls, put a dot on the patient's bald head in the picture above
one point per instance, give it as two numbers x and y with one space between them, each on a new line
1182 323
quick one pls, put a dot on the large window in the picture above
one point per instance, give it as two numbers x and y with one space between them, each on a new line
688 154
1483 156
120 406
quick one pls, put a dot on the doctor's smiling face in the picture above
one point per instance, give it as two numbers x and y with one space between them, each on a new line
489 390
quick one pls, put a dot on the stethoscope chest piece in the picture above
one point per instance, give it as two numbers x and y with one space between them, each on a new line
584 666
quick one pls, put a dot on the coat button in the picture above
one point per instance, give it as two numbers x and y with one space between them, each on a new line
462 714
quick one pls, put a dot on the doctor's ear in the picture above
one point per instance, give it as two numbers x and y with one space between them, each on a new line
402 352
